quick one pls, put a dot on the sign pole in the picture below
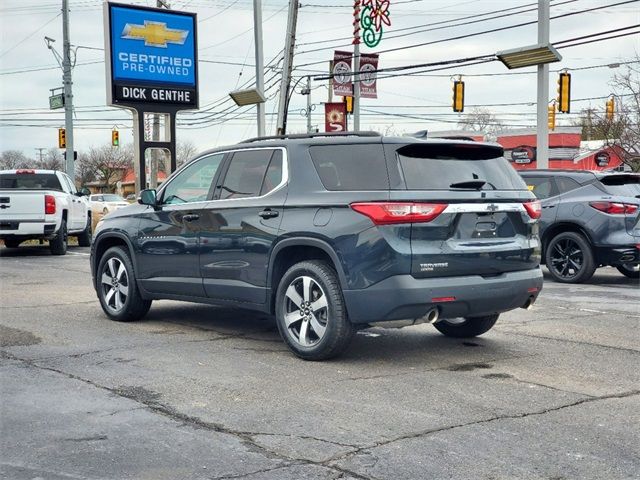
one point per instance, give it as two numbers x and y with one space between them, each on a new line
543 88
68 93
356 66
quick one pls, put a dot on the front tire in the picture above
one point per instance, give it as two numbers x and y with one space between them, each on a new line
58 245
467 327
117 289
84 239
631 270
569 258
311 313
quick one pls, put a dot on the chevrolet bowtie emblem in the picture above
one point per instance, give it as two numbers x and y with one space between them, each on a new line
154 34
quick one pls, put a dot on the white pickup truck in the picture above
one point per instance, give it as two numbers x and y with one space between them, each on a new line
42 204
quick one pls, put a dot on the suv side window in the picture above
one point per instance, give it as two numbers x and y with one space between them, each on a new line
542 187
566 184
273 177
246 174
194 182
351 167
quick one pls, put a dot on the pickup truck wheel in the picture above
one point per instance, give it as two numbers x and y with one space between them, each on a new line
58 245
310 311
630 270
466 327
12 243
117 289
569 258
84 239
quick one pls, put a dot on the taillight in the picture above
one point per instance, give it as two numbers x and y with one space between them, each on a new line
534 209
25 171
49 204
615 208
399 212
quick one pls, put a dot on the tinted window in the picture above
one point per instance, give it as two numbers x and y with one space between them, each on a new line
542 187
274 173
351 167
246 174
192 184
112 198
622 185
441 167
30 181
566 184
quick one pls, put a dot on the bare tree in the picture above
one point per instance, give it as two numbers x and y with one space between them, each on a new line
12 159
85 169
481 120
184 151
108 164
53 160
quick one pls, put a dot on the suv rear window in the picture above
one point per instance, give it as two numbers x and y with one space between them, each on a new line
351 167
30 181
440 166
622 185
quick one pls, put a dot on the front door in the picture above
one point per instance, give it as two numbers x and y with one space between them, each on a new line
240 227
169 234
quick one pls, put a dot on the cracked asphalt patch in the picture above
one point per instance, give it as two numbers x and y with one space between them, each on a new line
197 392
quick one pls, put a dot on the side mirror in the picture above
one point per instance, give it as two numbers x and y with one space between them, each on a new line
148 197
84 192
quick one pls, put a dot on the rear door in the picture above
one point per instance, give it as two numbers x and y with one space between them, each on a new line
239 228
481 225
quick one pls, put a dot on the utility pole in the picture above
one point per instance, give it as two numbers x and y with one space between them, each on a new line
257 31
40 149
290 43
356 66
542 154
68 94
308 93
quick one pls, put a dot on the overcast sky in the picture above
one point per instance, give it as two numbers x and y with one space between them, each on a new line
225 30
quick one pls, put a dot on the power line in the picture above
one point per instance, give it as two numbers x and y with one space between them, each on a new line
28 36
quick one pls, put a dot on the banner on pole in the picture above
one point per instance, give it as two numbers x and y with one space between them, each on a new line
335 117
368 77
342 84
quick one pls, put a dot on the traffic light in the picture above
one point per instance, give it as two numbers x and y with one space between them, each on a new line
564 92
348 101
115 138
551 116
610 108
458 96
62 138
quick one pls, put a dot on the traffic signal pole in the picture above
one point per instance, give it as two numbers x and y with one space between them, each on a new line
542 154
68 94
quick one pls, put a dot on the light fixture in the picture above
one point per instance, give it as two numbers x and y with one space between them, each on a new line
251 96
529 56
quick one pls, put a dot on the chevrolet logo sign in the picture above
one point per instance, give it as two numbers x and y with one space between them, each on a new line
154 34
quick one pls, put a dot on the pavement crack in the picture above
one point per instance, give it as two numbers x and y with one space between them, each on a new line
565 340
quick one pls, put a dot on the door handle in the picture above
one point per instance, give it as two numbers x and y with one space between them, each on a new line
268 213
190 217
548 206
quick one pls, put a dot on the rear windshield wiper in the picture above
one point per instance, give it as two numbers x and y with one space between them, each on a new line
472 184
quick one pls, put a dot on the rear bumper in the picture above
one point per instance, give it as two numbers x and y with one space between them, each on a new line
15 229
405 297
617 255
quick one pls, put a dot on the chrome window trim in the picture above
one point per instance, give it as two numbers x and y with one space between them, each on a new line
283 181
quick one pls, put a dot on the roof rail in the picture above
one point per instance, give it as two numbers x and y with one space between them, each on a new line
314 135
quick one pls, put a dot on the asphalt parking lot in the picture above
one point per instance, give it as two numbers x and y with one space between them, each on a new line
197 392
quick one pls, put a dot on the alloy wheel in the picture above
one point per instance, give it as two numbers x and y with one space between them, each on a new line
114 284
567 258
306 311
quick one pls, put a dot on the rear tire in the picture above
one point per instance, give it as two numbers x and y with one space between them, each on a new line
569 258
311 313
12 243
58 245
630 270
117 288
84 239
469 327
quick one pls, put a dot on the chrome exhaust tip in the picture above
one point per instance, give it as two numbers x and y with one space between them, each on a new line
528 305
432 315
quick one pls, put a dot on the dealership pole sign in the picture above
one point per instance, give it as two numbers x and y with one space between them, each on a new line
152 67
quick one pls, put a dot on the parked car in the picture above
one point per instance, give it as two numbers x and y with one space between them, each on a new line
330 234
42 204
589 220
106 202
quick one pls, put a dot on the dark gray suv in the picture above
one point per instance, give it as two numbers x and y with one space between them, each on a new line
589 219
330 234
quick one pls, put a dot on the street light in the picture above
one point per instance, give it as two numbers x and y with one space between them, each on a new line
529 56
251 96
